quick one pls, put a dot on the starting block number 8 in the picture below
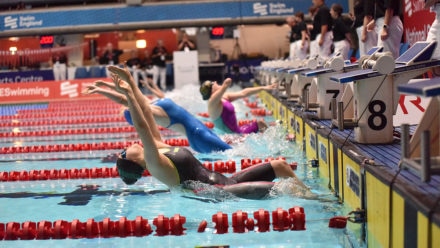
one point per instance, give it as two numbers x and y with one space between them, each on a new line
377 109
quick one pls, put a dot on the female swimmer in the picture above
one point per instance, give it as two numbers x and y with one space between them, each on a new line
170 115
221 110
176 166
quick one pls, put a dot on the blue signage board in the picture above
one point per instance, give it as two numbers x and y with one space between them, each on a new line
151 12
26 76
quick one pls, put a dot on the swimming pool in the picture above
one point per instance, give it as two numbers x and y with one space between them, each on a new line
101 198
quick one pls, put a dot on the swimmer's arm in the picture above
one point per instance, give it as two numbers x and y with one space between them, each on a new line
216 97
157 163
154 89
124 74
110 94
142 127
249 91
100 83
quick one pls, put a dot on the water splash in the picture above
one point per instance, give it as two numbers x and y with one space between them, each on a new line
291 187
271 143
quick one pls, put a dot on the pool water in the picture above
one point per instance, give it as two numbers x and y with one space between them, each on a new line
53 200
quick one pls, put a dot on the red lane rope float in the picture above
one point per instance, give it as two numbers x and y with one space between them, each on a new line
252 104
69 131
203 114
108 172
82 147
260 112
45 114
63 121
292 219
62 229
246 121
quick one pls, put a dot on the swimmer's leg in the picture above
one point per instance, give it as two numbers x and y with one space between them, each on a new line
258 172
267 172
250 190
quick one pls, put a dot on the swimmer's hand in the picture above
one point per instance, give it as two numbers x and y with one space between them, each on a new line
101 83
270 86
123 73
228 81
90 89
121 86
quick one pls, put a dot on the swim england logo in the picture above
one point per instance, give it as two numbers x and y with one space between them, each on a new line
260 9
272 8
10 22
69 89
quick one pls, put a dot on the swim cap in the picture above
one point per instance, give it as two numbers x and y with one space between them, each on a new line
206 89
129 171
127 116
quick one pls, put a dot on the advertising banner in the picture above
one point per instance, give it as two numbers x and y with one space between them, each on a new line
416 21
153 12
46 91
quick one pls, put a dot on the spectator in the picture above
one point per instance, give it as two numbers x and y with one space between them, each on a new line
59 64
366 40
302 44
185 44
110 55
159 65
385 20
134 65
341 33
434 31
320 36
146 68
291 22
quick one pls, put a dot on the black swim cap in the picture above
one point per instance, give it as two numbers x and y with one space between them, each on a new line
129 171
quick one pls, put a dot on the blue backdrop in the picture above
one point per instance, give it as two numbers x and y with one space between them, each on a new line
48 19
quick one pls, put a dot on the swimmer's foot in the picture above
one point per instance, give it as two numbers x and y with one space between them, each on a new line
262 126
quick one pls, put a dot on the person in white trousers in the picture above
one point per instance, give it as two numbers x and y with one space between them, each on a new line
158 57
366 40
341 32
434 31
321 35
59 64
388 26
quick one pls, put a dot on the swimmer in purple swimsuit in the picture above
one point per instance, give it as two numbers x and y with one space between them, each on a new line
176 166
221 110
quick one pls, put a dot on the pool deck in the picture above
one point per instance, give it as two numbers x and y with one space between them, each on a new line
401 210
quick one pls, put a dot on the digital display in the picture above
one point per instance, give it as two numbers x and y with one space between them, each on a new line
217 32
46 41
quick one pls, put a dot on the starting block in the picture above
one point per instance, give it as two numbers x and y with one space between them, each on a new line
376 96
422 152
295 84
327 89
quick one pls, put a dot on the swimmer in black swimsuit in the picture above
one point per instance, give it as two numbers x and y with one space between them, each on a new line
174 166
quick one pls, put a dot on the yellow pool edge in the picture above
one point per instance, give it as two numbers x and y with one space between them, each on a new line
395 216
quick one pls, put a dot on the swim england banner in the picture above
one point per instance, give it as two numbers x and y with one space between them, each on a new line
150 13
46 91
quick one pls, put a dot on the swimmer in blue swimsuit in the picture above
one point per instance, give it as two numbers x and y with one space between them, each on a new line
170 115
174 166
222 112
